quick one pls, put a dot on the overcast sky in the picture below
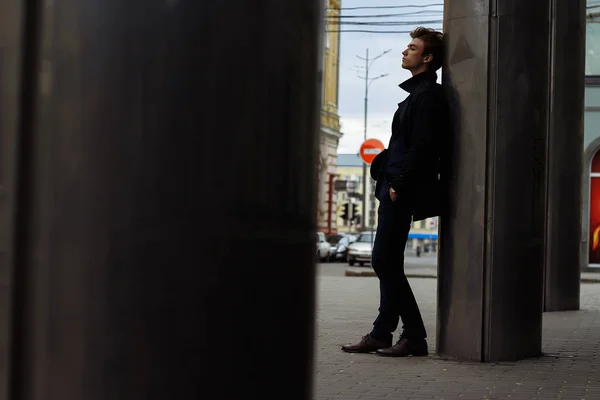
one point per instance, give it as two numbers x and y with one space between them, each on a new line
384 93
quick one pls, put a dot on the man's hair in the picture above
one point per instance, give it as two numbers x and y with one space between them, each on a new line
434 45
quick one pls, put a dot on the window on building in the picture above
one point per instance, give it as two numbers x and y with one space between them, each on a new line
592 59
595 167
594 238
592 46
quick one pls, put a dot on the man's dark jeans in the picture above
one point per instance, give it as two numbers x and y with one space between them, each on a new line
396 297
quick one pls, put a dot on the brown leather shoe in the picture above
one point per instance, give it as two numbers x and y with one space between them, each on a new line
404 348
367 344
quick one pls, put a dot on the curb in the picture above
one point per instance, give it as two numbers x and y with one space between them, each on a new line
371 273
590 280
367 273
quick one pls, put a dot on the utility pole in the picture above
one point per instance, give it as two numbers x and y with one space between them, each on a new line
368 63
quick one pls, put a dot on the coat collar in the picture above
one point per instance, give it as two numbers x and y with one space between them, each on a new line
411 84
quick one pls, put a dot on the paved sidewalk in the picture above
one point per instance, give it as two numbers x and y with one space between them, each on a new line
426 267
570 368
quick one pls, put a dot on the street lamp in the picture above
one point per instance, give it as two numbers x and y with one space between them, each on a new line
368 81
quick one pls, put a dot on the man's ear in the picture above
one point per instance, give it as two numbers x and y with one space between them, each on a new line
428 58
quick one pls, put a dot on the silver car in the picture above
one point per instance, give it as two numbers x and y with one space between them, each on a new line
360 251
339 249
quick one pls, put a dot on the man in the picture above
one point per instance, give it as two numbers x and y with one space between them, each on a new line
408 189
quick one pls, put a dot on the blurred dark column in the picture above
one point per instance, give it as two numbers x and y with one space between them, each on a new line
11 14
491 265
565 152
167 202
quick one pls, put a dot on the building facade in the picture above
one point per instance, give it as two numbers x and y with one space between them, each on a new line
590 259
350 189
330 123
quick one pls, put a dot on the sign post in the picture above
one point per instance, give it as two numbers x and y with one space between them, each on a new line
368 151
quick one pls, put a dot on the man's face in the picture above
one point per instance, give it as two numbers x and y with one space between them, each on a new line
413 58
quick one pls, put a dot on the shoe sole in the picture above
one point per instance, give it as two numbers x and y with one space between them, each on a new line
407 355
361 352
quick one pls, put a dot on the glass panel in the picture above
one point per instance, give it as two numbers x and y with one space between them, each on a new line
592 47
366 238
594 239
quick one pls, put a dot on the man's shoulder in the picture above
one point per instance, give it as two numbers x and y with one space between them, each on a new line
430 91
431 87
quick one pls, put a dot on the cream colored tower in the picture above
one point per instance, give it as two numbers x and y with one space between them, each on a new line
330 122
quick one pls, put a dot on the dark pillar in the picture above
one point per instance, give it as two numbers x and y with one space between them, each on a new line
167 201
565 153
11 13
492 235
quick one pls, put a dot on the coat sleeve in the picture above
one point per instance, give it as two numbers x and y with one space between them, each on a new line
429 112
378 161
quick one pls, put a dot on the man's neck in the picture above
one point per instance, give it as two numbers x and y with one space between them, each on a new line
420 70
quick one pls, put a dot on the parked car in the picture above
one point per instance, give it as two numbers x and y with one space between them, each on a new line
323 247
360 251
339 250
333 240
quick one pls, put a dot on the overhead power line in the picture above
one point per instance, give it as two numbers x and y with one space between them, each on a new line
390 7
419 13
387 23
594 5
365 31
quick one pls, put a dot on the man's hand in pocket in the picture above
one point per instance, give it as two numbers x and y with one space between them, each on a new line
393 195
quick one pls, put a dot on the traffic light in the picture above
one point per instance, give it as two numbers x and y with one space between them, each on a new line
355 213
345 211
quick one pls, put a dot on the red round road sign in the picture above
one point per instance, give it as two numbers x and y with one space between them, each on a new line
369 150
